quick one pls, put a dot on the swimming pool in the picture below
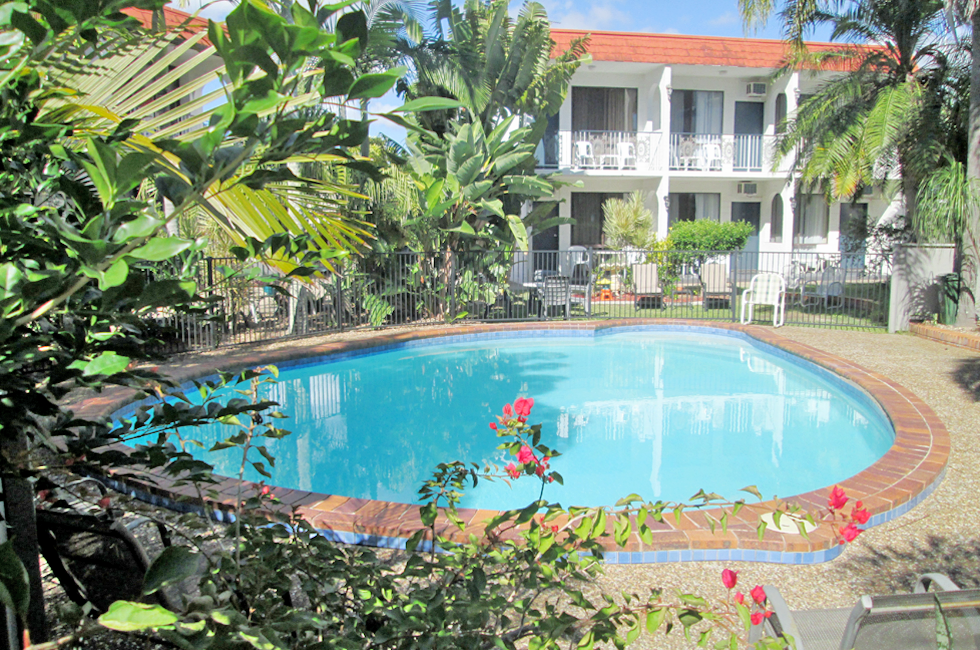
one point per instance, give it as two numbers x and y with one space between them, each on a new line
655 412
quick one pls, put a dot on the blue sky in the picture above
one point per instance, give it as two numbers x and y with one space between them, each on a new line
700 17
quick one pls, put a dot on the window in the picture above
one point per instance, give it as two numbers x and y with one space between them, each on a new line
696 111
604 109
812 220
587 213
776 220
780 113
693 207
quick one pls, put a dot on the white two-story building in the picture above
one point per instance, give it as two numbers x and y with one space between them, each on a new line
691 121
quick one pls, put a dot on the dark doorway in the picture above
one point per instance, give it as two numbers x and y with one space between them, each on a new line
748 259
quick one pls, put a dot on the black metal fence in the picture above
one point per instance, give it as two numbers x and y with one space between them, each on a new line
251 305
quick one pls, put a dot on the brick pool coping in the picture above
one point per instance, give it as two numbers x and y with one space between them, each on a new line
968 340
904 476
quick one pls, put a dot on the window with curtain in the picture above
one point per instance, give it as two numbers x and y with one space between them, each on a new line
693 206
587 213
696 111
812 222
776 220
780 112
604 109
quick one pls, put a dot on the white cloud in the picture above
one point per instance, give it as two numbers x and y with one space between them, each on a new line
727 18
600 15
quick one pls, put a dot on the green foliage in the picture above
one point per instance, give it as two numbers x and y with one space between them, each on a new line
709 236
628 222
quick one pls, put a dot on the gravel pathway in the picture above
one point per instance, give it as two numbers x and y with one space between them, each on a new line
941 534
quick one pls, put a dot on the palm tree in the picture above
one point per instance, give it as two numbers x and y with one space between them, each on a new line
919 29
893 109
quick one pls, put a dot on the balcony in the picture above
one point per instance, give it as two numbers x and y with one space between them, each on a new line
614 151
699 152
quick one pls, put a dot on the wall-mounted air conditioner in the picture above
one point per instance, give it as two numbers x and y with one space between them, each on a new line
747 189
756 89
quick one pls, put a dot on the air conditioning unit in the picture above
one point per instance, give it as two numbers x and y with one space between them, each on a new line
756 89
748 189
866 192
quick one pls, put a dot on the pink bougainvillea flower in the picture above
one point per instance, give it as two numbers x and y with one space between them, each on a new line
837 498
512 470
757 618
849 533
508 411
859 514
525 455
523 407
554 528
551 479
265 490
739 598
758 594
729 578
539 470
104 503
493 425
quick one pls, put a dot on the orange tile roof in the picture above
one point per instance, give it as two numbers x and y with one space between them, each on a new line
689 50
173 18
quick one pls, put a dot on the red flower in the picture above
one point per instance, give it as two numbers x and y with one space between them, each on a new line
554 528
859 514
551 479
265 490
525 455
493 425
104 502
539 470
758 594
512 470
849 533
739 598
508 412
757 618
729 578
837 498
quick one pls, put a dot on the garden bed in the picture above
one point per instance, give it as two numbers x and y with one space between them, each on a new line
947 336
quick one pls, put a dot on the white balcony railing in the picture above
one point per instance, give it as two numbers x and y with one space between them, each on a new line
627 151
721 153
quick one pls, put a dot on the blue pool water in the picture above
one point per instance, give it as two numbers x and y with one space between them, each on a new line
657 413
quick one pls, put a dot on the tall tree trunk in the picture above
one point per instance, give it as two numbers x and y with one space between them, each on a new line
969 255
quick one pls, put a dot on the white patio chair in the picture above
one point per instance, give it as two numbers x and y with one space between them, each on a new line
556 292
829 292
767 289
710 157
646 285
583 154
906 621
688 154
625 151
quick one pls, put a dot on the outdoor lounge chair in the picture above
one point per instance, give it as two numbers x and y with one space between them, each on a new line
716 286
906 621
829 292
96 558
646 286
583 154
766 289
556 292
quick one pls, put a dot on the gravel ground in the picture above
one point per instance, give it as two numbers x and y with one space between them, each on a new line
938 535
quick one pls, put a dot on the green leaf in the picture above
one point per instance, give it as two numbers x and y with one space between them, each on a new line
161 248
428 104
174 564
655 619
107 363
15 590
126 616
374 85
428 514
114 275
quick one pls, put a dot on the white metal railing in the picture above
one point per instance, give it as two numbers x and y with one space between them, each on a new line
630 151
703 152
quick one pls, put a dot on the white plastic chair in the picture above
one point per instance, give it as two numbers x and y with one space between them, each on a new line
556 292
583 154
710 157
766 289
625 151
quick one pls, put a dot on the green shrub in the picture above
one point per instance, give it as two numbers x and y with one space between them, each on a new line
627 222
709 236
